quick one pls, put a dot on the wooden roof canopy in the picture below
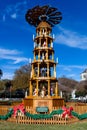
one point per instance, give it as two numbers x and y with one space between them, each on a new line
45 13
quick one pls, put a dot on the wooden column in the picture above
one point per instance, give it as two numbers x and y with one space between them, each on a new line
37 87
46 42
40 42
40 32
38 70
34 56
47 69
48 88
47 55
56 89
32 71
30 88
39 55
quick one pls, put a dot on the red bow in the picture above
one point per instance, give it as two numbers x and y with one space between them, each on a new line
20 107
67 112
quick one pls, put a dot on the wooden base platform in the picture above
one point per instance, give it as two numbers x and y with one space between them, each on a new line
50 102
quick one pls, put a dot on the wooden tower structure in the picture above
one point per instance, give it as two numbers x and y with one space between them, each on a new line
43 88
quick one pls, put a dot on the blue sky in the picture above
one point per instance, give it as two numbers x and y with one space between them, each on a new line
16 44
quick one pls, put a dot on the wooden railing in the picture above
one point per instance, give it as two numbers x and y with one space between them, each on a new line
4 109
56 119
80 109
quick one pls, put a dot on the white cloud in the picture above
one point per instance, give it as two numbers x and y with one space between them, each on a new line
12 55
8 51
72 39
19 59
70 71
10 61
3 18
14 10
69 67
10 67
14 16
71 75
7 75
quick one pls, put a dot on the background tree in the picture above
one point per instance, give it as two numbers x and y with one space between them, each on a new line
5 87
21 77
2 85
8 85
81 88
1 73
67 85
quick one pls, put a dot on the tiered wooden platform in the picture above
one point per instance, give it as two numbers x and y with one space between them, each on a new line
49 102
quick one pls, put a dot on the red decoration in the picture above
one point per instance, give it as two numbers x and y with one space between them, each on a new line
67 112
20 107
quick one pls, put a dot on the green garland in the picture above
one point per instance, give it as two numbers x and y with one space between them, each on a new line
80 117
8 115
43 116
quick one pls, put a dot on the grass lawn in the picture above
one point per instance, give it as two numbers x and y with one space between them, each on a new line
13 126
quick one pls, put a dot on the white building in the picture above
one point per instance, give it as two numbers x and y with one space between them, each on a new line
84 75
